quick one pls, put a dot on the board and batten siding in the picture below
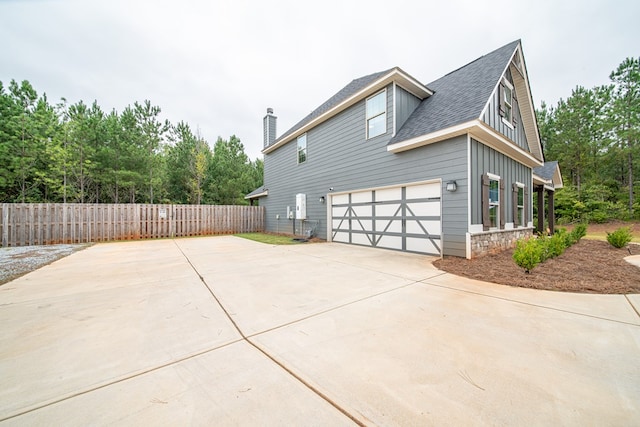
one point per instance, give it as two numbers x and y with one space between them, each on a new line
340 157
406 103
485 159
492 118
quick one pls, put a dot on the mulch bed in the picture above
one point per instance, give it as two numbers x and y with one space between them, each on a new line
589 266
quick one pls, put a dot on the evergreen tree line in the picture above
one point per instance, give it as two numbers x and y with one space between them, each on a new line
595 136
79 153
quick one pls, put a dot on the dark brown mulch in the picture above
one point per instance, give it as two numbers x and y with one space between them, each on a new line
589 266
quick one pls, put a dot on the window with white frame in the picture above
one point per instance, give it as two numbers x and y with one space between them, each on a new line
494 201
506 103
376 107
520 204
302 148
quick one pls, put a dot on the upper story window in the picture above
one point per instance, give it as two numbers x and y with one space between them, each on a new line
302 148
377 114
506 102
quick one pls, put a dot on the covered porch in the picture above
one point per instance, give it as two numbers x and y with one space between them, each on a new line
546 179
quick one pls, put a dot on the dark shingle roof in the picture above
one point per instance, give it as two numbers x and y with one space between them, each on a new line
547 170
459 97
349 90
255 192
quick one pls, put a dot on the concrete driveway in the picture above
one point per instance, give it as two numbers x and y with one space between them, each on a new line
225 331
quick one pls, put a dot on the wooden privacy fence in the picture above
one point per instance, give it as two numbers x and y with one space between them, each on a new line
24 224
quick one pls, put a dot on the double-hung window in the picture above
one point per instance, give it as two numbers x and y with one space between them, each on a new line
302 148
494 202
376 107
506 103
520 205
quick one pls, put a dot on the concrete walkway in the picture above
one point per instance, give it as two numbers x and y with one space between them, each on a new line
225 331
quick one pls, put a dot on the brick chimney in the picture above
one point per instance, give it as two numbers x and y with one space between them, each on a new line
269 128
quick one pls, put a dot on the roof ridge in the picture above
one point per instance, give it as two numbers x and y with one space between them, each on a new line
515 42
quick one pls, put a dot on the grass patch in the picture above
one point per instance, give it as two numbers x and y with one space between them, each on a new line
269 239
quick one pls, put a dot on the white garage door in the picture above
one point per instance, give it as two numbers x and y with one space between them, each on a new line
405 218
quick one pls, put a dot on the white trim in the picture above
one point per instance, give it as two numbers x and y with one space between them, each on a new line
476 229
255 196
395 74
306 148
430 138
469 189
507 123
468 245
395 120
479 131
329 217
384 187
497 179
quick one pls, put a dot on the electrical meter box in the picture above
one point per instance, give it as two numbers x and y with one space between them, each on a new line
301 206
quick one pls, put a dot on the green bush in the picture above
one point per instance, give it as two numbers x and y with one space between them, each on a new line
620 237
555 245
579 231
532 251
528 253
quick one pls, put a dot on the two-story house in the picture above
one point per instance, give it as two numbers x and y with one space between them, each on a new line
445 168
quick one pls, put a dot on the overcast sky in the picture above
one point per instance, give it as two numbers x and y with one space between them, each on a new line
219 64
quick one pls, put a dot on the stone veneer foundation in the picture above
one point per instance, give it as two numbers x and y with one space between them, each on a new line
496 241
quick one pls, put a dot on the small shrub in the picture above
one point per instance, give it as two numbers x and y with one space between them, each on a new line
528 253
620 237
556 244
579 231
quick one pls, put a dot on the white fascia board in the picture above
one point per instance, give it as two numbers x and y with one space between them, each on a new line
540 181
479 131
487 135
395 75
557 178
430 138
255 196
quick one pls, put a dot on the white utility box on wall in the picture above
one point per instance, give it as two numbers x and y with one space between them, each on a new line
301 206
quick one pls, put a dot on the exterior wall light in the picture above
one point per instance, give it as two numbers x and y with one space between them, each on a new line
321 199
452 186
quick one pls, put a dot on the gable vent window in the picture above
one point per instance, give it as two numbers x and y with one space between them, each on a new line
377 114
302 148
506 102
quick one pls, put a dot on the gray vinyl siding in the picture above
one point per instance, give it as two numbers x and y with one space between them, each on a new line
338 156
493 119
406 103
485 159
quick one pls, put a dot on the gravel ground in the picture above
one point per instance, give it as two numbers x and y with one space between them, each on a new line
20 260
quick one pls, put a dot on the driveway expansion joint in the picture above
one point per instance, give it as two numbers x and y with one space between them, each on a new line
320 394
425 282
631 304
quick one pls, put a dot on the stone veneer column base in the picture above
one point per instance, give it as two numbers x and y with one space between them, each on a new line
496 241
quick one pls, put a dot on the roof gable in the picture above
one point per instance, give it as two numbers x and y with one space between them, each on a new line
459 97
355 91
